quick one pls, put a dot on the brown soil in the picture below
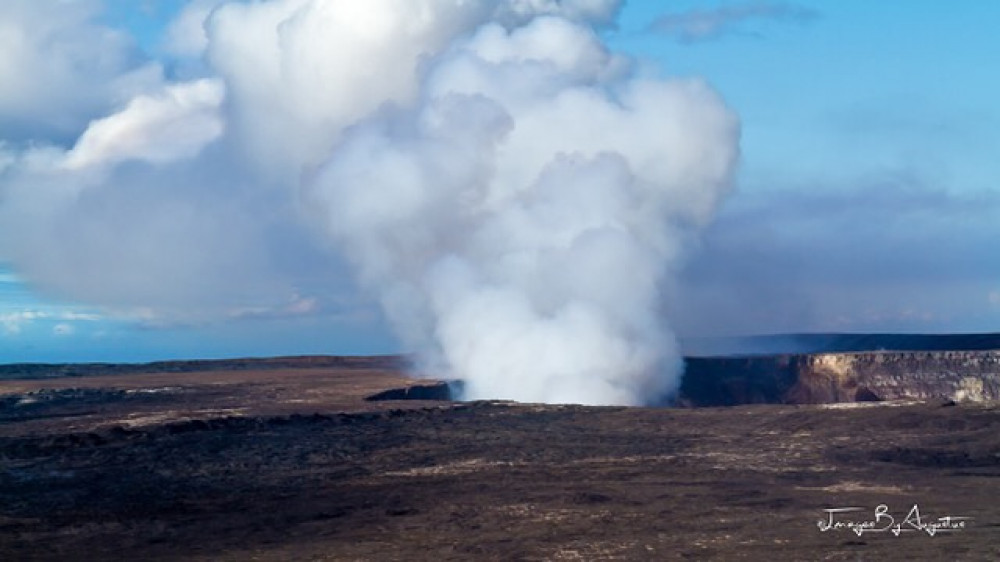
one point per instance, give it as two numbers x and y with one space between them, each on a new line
294 464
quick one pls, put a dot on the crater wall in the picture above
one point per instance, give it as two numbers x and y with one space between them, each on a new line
841 377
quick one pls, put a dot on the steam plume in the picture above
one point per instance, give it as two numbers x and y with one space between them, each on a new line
507 189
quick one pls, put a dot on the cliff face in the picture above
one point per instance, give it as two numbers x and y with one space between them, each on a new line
842 377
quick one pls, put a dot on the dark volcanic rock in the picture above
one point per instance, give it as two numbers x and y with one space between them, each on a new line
490 481
277 465
432 391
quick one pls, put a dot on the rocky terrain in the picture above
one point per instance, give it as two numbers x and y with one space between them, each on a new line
349 459
35 371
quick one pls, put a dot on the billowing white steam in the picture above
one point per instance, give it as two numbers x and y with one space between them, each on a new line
507 188
518 219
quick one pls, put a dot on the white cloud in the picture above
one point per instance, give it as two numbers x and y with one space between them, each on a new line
59 69
186 35
294 58
79 316
299 72
170 125
297 305
14 322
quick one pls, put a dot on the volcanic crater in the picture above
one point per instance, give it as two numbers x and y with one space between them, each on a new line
325 458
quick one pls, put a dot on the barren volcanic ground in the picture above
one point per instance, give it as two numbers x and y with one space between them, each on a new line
286 460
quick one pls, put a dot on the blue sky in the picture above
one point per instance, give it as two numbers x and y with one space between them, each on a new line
868 175
867 198
853 88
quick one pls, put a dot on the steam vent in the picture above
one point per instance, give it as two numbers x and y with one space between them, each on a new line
922 369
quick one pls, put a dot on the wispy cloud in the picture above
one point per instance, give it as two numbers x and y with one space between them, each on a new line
296 306
12 323
702 25
894 252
